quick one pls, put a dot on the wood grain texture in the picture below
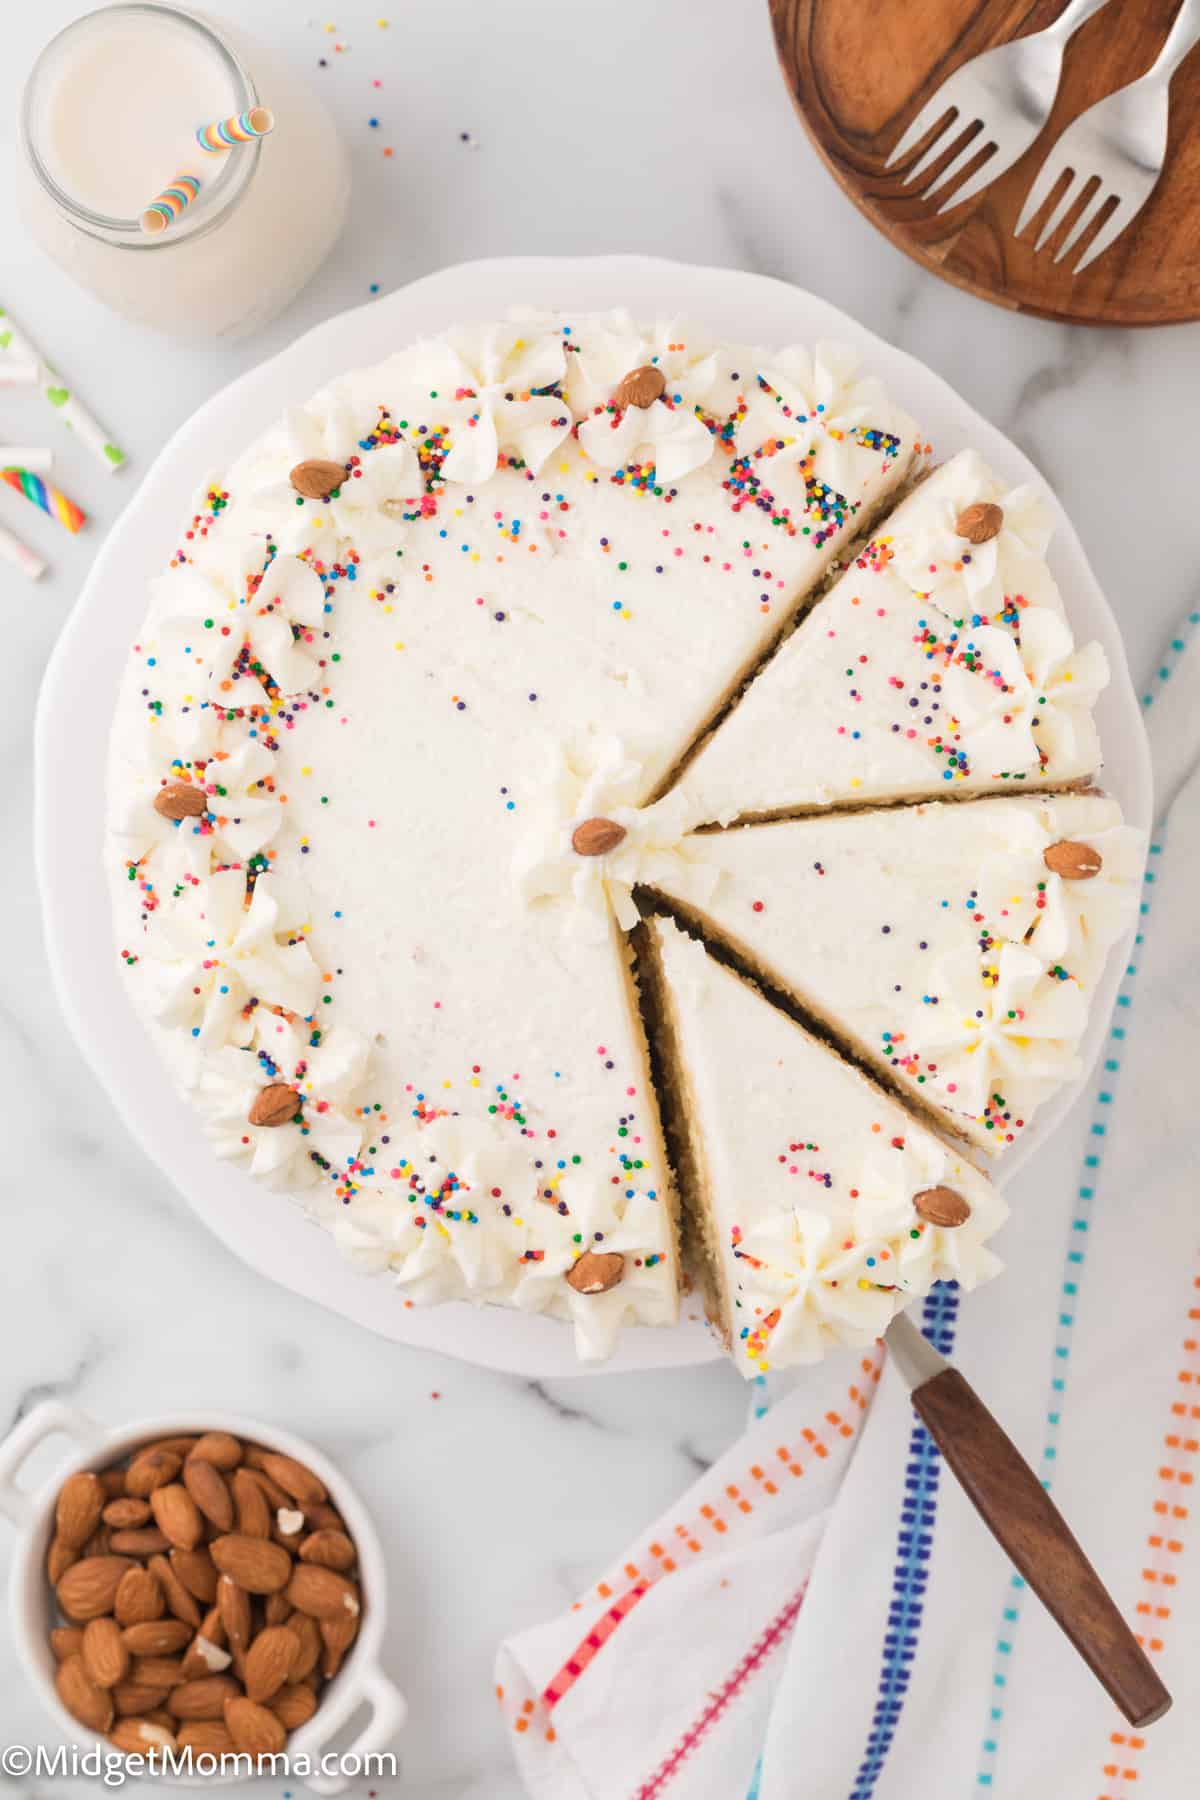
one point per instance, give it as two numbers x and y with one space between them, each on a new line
1021 1516
860 70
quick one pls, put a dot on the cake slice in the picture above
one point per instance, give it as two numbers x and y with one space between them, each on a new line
955 948
939 663
823 1207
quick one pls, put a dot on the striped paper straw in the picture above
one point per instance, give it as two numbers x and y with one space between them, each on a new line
51 501
70 410
26 456
242 128
20 555
167 206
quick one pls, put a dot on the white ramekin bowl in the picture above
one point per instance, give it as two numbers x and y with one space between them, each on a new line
360 1681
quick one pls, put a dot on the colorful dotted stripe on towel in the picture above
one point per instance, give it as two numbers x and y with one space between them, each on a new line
914 1546
1164 1541
1073 1272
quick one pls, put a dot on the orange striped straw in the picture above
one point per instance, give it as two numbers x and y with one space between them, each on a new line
239 128
167 206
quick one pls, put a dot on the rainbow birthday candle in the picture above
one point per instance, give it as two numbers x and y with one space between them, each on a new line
50 499
168 205
241 128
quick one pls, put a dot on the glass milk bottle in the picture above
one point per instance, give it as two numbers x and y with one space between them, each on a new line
109 122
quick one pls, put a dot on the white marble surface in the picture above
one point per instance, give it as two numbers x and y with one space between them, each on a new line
667 130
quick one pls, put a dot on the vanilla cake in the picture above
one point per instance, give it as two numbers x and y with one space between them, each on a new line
422 719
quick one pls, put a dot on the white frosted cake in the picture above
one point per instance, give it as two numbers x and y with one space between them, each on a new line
447 670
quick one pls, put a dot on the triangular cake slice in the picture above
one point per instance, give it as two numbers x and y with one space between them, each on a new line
940 662
823 1207
954 947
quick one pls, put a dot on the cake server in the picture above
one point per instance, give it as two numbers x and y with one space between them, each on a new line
1120 144
1026 1524
1006 92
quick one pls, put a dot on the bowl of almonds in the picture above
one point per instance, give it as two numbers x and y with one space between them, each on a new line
188 1589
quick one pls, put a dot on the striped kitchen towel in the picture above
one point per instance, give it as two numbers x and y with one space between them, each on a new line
823 1615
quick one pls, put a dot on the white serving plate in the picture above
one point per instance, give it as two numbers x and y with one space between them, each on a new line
79 694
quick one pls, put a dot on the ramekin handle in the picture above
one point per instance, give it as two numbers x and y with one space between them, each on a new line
388 1713
43 1422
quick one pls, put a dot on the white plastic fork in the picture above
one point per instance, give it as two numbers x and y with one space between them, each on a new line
1002 98
1120 144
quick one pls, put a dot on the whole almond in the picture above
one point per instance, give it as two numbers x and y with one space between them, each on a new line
113 1483
942 1206
256 1564
294 1706
269 1662
322 1593
179 1601
210 1491
158 1671
332 1549
180 1446
275 1104
197 1571
133 1700
337 1635
91 1705
307 1634
596 1271
177 1515
317 478
296 1480
220 1448
596 837
157 1637
254 1730
139 1598
159 1716
202 1699
151 1469
641 387
59 1558
1072 860
233 1606
66 1640
138 1737
277 1609
89 1588
274 1495
77 1510
180 800
980 523
205 1737
253 1512
105 1653
147 1540
126 1514
324 1518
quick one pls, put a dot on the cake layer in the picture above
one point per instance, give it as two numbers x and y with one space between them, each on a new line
827 1207
935 665
956 947
413 639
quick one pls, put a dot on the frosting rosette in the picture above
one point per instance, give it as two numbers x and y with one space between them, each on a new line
366 511
225 632
597 779
1066 683
997 1030
993 580
812 405
322 1141
669 432
212 953
498 388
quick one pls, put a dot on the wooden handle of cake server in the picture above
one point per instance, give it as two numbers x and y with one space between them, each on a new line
1022 1518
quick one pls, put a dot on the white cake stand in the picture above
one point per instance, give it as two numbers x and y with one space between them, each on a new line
79 694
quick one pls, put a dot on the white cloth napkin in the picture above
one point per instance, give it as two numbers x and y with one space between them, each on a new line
823 1614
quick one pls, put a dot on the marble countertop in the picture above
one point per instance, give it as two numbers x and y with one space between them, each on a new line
668 131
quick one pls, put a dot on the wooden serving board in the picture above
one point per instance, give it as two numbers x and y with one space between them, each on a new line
860 70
